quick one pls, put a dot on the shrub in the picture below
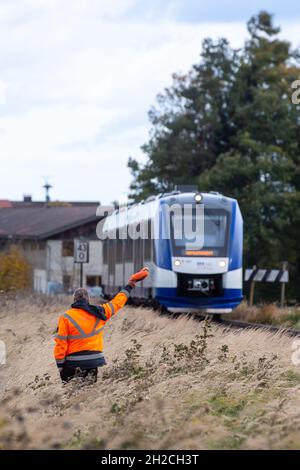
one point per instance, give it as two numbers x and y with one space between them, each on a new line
15 271
192 356
130 366
267 314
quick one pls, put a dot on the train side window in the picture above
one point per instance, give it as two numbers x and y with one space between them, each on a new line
148 243
125 245
123 250
118 248
137 253
129 249
105 257
140 252
112 256
153 251
109 255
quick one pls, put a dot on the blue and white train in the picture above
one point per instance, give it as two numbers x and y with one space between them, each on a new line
206 279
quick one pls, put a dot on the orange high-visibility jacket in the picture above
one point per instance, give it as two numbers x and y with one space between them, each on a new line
79 339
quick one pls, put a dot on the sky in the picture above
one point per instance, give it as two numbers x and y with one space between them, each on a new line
77 79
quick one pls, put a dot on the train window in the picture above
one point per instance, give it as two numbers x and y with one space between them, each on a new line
104 246
137 254
121 249
148 243
106 251
126 246
112 256
153 251
118 248
109 260
215 236
128 249
140 258
215 230
121 258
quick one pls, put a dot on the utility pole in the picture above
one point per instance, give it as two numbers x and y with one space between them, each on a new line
252 287
81 274
47 186
282 292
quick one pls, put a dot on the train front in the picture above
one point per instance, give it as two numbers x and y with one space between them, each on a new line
201 247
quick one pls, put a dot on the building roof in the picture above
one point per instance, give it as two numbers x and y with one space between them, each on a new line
39 222
5 204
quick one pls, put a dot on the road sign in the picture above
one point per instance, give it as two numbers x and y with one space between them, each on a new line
81 251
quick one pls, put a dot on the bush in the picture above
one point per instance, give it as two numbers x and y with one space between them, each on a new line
269 314
15 271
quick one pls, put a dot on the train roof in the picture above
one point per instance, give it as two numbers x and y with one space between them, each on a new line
146 210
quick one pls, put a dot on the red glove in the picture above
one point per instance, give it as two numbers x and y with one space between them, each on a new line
139 276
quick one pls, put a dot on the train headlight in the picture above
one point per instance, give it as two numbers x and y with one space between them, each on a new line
222 264
177 262
198 198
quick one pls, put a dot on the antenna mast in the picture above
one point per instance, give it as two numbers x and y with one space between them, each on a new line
47 186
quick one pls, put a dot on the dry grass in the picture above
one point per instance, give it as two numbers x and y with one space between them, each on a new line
170 383
269 314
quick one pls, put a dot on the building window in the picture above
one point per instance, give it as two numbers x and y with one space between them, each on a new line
68 248
93 281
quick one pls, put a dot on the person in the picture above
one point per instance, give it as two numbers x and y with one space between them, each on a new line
78 347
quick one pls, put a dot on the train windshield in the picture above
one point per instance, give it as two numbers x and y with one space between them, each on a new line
208 236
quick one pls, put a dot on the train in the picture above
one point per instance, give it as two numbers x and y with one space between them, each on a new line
191 242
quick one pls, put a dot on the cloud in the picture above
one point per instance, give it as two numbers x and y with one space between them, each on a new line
195 11
3 92
79 79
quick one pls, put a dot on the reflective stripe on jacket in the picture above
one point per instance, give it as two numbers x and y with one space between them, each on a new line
79 339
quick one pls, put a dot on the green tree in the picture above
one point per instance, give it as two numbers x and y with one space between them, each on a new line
262 167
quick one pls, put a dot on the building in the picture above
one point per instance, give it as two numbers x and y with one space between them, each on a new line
45 232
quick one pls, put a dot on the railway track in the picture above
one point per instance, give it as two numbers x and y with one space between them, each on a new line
238 324
258 326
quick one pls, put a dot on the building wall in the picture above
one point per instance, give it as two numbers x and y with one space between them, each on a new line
60 269
55 262
50 266
95 266
35 252
40 281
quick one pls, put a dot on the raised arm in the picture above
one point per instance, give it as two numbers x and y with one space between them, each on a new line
112 307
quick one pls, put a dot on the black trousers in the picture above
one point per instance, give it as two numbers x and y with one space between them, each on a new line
88 375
